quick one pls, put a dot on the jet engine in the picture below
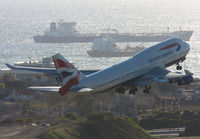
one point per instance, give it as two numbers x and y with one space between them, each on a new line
185 80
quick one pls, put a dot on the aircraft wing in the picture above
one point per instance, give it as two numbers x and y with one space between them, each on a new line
159 75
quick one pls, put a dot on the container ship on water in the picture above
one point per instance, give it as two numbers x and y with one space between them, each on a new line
64 32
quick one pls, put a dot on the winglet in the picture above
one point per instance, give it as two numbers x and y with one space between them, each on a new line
9 66
187 72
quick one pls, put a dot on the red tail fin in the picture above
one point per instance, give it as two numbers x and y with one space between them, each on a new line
69 75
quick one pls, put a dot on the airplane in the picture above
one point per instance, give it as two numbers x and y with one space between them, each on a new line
141 70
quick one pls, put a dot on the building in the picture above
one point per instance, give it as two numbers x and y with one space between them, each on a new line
169 104
2 88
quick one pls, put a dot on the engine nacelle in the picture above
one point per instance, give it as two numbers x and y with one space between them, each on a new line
186 80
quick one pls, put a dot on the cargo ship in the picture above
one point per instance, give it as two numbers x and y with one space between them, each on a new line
106 47
64 32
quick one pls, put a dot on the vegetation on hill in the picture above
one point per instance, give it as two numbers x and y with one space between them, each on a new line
98 126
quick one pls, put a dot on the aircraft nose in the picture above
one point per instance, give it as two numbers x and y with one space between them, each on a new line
186 46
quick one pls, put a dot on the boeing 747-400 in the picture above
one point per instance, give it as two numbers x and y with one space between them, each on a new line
141 70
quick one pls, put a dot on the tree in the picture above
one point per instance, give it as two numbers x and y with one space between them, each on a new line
192 128
7 77
187 115
84 104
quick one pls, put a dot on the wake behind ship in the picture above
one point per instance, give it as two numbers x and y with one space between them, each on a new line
64 32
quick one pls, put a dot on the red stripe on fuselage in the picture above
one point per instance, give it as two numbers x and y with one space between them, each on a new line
170 46
60 64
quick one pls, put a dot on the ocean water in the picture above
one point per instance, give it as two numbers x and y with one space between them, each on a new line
22 19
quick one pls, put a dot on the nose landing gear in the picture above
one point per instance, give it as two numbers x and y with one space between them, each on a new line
178 67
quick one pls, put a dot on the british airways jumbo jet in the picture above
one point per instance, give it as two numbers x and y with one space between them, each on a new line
141 70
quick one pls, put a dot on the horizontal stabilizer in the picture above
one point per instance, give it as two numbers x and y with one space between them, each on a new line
45 88
45 70
33 69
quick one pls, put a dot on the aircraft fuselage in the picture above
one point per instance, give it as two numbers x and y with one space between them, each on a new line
163 54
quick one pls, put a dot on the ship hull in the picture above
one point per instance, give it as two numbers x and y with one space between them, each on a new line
139 37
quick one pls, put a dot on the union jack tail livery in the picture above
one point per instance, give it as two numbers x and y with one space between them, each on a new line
69 75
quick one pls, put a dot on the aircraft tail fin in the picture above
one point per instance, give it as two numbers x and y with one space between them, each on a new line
68 74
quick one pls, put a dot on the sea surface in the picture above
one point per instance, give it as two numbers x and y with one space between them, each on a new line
22 19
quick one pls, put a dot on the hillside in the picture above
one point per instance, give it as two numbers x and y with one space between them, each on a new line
98 126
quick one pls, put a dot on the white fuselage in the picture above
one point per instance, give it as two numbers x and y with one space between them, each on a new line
163 54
